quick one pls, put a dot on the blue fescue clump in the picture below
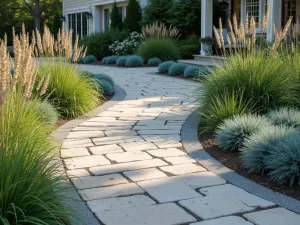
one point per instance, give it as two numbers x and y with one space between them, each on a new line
259 145
122 61
89 59
285 116
104 60
111 60
102 76
164 67
283 162
192 71
177 69
107 87
232 133
154 62
134 61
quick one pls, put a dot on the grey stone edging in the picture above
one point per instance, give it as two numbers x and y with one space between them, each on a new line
189 135
79 207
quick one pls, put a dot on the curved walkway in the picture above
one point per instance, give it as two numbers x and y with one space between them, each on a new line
129 165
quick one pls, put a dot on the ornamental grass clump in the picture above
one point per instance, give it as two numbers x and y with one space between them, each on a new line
154 62
283 162
89 59
122 60
285 116
160 31
70 93
163 49
232 133
164 67
134 61
111 60
177 69
258 146
196 71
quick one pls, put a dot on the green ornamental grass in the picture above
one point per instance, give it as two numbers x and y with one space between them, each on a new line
69 92
285 116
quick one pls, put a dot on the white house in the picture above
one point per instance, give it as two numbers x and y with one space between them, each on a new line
91 16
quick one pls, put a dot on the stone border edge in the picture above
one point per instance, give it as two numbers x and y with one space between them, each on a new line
80 209
192 145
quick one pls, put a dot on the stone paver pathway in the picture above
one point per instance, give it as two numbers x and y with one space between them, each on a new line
129 165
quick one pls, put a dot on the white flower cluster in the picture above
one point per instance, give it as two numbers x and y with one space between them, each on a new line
127 46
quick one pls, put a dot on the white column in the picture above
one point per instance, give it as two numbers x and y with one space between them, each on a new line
96 19
274 18
206 20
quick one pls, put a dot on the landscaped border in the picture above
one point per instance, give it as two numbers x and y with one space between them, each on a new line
191 143
79 206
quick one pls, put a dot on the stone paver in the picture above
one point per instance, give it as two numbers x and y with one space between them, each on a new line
165 214
128 164
120 202
277 216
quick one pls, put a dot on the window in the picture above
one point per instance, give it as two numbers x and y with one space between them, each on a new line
252 9
106 19
79 24
289 9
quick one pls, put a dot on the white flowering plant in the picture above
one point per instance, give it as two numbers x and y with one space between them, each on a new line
127 46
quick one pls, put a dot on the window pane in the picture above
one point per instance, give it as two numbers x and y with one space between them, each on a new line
252 9
78 31
73 23
84 24
106 19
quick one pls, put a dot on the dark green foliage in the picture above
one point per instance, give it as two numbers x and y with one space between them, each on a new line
111 60
232 133
107 87
122 61
284 160
258 146
258 83
98 44
116 18
133 16
164 67
89 59
188 51
163 49
177 69
186 15
134 61
157 10
154 62
56 25
285 116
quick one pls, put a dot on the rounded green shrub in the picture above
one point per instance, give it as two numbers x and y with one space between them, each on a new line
69 92
163 49
177 69
259 145
285 116
134 61
122 61
107 87
232 133
111 60
194 71
102 76
104 60
89 59
283 162
154 62
164 67
47 112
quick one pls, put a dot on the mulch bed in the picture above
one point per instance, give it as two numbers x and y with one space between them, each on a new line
233 161
99 63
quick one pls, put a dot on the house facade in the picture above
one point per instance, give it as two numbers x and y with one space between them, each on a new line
92 16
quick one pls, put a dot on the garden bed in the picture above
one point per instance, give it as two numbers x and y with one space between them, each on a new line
234 162
99 63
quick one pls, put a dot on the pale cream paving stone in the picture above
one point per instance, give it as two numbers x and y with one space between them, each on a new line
121 167
158 132
104 128
183 169
106 149
78 173
128 156
118 114
159 127
116 140
136 118
161 138
138 146
110 192
86 161
229 220
120 133
74 152
119 202
116 123
151 123
276 216
144 174
102 119
74 143
123 109
168 189
98 181
163 214
168 144
177 160
85 134
161 153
